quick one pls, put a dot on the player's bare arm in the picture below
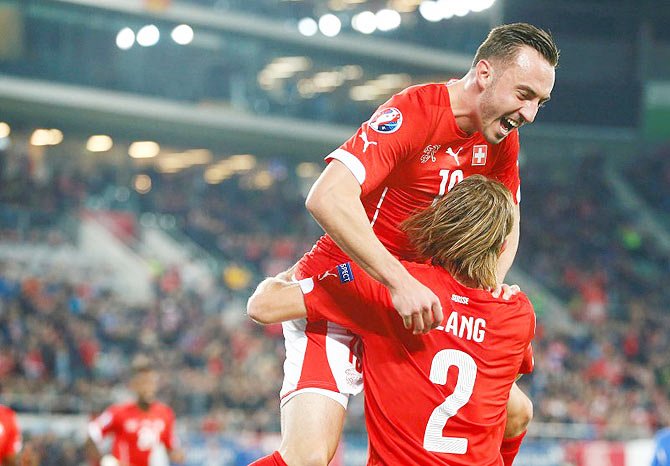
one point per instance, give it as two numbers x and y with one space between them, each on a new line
335 203
276 300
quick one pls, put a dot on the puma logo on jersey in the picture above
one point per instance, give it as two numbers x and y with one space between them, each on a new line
366 143
327 274
455 155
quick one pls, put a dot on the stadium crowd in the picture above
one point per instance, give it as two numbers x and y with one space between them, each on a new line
66 339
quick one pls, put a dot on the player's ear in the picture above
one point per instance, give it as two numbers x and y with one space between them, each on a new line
484 73
502 249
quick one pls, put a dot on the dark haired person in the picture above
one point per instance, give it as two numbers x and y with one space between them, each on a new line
413 150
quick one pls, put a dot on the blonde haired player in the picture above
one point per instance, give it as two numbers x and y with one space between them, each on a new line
437 398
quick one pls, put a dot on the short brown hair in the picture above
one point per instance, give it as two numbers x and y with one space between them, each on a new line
465 230
505 41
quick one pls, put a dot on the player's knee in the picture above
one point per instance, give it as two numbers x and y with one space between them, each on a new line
519 415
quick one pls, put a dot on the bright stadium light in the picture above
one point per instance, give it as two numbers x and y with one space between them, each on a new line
329 25
182 34
364 22
447 8
144 149
148 36
461 7
308 27
5 130
481 5
142 183
125 38
388 19
99 143
430 11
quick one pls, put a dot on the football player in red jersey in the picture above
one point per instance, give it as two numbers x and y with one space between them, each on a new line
414 149
437 398
139 427
10 437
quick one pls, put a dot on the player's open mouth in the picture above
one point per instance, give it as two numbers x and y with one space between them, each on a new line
507 124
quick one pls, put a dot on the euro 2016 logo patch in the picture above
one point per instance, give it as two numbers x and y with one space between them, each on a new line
386 120
345 272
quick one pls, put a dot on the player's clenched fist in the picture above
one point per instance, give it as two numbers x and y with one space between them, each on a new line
418 306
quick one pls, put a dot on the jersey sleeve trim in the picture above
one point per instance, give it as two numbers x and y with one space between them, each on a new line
306 285
351 162
95 432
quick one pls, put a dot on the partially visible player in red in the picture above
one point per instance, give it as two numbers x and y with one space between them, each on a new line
438 398
10 437
138 427
412 150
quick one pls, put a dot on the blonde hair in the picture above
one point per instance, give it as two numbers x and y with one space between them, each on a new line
465 230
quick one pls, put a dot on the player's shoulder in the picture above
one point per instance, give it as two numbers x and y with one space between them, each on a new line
6 412
428 95
521 304
163 409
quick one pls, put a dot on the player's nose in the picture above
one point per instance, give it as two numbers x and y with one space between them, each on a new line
528 112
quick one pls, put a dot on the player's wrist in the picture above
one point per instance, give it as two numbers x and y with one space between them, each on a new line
395 276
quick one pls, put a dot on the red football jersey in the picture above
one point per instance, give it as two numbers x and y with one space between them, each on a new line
435 399
410 152
136 432
10 435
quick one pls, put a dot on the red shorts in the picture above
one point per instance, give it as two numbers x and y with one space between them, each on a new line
320 355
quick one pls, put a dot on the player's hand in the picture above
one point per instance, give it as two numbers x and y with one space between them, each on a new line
507 290
418 306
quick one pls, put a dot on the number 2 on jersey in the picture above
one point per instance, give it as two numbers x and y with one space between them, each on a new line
456 177
467 372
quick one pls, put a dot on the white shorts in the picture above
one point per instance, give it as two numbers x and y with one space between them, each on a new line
320 358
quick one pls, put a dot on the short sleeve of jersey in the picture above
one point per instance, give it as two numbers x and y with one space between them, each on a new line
13 440
528 362
396 131
506 169
104 423
169 436
347 296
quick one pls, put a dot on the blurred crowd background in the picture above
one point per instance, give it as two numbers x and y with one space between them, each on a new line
109 249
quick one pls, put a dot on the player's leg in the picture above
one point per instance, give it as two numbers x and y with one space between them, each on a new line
311 425
519 415
320 372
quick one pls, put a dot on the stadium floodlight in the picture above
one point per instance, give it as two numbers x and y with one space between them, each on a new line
182 34
99 143
144 149
364 22
5 130
430 11
330 25
447 8
480 5
46 137
142 183
125 39
308 27
148 36
461 7
388 19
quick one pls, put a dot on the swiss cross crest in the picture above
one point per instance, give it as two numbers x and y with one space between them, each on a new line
429 153
479 154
